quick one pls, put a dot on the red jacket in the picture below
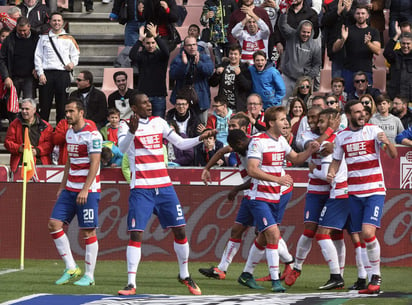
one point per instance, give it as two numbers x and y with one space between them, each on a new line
59 138
14 140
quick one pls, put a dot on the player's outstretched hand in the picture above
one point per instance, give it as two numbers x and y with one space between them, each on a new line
206 176
133 123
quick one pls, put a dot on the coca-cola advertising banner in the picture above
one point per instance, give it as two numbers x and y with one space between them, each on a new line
209 216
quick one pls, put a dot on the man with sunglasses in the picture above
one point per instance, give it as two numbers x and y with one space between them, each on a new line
361 85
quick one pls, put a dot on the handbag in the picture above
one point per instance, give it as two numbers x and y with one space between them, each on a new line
123 13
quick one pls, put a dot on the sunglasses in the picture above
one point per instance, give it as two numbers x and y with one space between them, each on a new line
123 101
366 103
359 81
304 87
330 102
79 79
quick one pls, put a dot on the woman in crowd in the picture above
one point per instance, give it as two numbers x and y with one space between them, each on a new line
297 110
303 88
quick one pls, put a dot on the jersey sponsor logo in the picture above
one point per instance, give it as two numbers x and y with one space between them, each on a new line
151 141
73 150
356 149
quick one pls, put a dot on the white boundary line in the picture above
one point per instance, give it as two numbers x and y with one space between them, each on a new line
8 271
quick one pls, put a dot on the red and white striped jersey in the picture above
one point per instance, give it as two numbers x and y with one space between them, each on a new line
145 153
361 151
339 186
80 145
251 43
315 184
271 153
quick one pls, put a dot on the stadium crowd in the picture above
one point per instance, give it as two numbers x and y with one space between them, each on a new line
266 58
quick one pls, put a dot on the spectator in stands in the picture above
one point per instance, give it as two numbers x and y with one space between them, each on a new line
191 71
256 114
302 55
216 16
8 20
17 59
54 70
59 138
296 13
185 117
303 89
109 132
335 14
93 99
220 117
240 14
88 5
206 150
333 102
400 70
176 156
361 85
405 137
194 31
38 15
111 155
272 7
163 14
368 113
402 111
360 43
151 55
399 10
233 79
369 101
135 19
40 133
297 111
338 89
252 33
266 81
377 18
4 33
120 98
389 123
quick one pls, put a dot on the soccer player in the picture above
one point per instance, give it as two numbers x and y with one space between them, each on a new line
360 145
78 194
151 189
266 156
335 212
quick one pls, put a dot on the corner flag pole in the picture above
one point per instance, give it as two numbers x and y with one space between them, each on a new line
27 171
23 218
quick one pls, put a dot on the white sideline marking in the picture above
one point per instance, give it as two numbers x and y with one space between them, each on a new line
8 271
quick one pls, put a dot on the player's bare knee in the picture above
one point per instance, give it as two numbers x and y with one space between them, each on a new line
136 236
179 232
54 225
87 233
237 231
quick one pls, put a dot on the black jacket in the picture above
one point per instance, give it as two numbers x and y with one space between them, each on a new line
39 17
7 53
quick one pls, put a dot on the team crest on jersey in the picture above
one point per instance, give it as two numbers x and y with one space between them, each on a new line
97 144
254 147
406 171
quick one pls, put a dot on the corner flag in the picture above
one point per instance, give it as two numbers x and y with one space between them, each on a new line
28 164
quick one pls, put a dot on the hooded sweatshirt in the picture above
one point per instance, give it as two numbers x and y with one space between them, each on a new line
299 58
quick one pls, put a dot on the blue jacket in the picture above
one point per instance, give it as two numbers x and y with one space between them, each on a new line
202 71
406 134
269 85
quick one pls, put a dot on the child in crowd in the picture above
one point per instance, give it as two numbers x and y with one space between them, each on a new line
109 132
111 155
206 150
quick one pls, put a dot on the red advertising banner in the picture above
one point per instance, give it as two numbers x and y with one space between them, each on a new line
209 218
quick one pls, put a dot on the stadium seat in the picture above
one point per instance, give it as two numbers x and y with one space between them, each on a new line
379 61
193 15
108 85
327 64
325 79
379 79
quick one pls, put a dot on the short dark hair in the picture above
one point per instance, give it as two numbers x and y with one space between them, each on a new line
113 110
22 21
349 104
220 99
79 103
405 35
135 96
382 98
329 111
259 52
207 129
56 13
405 23
118 73
193 25
5 30
403 99
88 76
338 80
360 73
236 136
106 154
235 47
243 119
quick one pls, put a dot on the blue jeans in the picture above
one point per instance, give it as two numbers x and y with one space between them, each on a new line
158 105
131 32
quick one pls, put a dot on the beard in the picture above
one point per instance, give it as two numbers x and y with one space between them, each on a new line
355 123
